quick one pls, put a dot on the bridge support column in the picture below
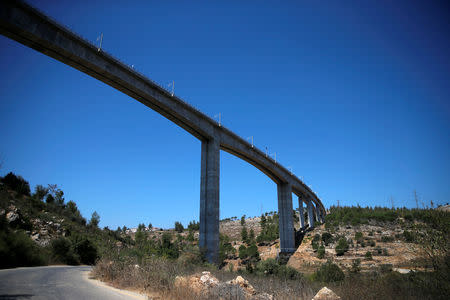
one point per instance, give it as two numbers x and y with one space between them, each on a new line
300 212
310 214
318 214
286 220
209 200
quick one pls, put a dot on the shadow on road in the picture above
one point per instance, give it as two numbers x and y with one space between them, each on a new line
15 296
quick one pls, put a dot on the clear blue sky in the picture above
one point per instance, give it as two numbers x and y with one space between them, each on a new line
354 97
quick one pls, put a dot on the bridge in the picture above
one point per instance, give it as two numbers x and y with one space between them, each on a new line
30 27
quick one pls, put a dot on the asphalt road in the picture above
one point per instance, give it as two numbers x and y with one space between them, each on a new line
56 282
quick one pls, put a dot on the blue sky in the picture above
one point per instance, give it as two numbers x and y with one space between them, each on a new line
354 97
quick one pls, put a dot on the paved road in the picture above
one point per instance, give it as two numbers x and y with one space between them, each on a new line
56 282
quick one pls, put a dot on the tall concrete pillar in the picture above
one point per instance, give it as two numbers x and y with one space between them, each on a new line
209 200
300 212
286 220
310 214
318 214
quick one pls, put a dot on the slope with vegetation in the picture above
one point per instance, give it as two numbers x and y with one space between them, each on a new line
40 227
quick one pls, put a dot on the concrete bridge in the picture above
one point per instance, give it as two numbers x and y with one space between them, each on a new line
28 26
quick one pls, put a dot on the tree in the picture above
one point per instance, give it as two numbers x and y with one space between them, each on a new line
243 220
321 252
16 183
150 226
263 221
95 220
179 227
50 199
242 251
40 192
341 247
244 234
251 236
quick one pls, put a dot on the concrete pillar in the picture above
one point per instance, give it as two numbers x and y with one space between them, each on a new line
310 214
209 200
286 220
318 214
300 212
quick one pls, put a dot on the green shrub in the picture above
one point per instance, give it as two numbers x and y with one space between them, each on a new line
387 239
16 183
242 252
194 226
17 249
321 252
359 236
368 255
327 238
372 243
244 234
179 227
379 250
328 272
86 251
272 267
408 236
62 251
341 247
356 266
252 251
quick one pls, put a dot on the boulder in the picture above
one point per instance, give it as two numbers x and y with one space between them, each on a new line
244 284
326 294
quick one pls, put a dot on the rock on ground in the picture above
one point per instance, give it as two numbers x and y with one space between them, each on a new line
326 294
238 288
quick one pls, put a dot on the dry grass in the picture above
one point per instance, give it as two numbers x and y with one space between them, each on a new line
156 276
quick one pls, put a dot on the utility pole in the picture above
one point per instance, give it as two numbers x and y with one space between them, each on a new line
219 116
101 40
251 138
417 200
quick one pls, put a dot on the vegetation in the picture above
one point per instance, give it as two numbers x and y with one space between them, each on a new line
329 272
342 246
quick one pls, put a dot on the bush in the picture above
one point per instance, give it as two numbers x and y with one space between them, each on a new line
321 252
329 272
62 251
341 247
272 267
86 251
387 239
408 236
194 226
368 255
327 238
359 236
16 183
17 249
179 227
242 252
252 251
244 234
356 266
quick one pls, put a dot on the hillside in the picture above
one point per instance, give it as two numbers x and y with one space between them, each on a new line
40 228
393 253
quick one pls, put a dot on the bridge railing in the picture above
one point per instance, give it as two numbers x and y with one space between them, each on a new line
159 86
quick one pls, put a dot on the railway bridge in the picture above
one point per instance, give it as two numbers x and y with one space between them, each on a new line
30 27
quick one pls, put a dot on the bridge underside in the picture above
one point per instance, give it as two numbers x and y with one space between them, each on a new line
30 27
